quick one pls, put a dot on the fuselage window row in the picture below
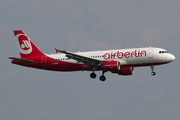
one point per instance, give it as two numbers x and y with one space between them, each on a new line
107 56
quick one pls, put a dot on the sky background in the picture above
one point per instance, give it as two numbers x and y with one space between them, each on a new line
32 94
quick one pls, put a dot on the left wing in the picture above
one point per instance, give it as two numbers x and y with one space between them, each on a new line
86 60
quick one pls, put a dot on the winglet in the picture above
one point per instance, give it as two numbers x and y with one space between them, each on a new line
57 50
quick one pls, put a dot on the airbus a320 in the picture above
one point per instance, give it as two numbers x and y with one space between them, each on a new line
119 61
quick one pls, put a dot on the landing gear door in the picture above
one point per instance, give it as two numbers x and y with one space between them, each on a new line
150 53
43 60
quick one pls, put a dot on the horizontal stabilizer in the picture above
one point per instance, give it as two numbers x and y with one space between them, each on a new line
20 59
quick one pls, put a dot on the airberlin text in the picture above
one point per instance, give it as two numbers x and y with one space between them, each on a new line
120 55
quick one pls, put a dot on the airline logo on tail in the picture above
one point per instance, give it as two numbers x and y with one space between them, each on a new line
24 44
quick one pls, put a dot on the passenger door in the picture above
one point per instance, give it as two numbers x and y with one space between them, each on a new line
150 53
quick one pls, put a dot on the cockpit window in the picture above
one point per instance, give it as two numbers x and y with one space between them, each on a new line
161 52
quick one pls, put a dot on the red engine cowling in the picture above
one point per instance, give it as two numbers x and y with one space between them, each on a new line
111 66
126 71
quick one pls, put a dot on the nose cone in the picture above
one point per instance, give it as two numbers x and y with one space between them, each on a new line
171 57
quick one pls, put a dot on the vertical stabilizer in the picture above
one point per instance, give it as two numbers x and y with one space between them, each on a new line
26 47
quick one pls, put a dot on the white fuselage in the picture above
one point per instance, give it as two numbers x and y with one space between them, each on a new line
134 56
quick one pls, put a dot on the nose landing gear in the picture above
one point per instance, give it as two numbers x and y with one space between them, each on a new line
152 69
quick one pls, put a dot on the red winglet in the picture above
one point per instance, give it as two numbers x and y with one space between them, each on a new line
57 50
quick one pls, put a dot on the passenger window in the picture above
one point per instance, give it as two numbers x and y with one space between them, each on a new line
159 52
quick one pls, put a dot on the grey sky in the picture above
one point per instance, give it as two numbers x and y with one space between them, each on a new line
27 93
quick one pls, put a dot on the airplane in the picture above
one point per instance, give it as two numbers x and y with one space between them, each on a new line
119 61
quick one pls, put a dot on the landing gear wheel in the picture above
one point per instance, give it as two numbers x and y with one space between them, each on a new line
93 75
102 78
153 73
152 69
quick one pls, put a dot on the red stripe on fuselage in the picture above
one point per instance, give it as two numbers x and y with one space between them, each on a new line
56 65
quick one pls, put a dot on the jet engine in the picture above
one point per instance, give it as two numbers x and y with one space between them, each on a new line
111 66
126 71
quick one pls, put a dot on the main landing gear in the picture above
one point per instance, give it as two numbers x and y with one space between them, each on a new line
93 75
152 69
102 77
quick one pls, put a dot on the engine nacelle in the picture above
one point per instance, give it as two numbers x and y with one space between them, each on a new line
126 71
111 66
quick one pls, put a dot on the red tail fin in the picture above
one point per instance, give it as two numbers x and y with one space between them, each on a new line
26 47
